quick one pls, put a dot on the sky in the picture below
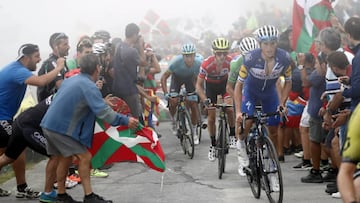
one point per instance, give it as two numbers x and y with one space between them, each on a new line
24 21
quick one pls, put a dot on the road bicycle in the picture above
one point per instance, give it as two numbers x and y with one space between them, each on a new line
184 129
222 139
264 171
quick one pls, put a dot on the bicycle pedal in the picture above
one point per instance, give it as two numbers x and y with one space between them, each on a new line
203 126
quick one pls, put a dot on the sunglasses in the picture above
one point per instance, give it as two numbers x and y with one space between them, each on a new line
84 43
60 36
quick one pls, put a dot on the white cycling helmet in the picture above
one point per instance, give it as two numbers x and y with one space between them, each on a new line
267 33
99 48
248 44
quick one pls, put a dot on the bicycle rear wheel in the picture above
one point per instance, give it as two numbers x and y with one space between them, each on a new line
188 135
272 176
221 149
253 171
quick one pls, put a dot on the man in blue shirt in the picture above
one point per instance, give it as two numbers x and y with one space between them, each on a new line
14 79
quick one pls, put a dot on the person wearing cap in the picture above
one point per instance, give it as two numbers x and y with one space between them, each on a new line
14 79
59 43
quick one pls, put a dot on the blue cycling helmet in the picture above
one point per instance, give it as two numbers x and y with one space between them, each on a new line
267 33
248 44
188 49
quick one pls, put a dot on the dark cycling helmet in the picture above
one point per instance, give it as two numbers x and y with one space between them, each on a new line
99 48
188 49
248 44
220 44
101 34
267 33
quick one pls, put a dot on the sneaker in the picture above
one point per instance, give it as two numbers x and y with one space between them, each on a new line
94 198
331 189
48 197
66 198
243 157
336 195
330 175
299 154
196 139
325 167
4 193
232 142
281 159
108 166
74 177
241 171
98 174
68 184
274 183
211 154
303 166
28 193
314 176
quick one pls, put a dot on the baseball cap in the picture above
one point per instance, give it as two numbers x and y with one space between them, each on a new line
27 49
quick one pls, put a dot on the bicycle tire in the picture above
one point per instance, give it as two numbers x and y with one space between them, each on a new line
272 168
253 172
188 135
220 150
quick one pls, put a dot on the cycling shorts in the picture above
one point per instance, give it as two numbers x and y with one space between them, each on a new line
215 89
5 132
177 82
269 103
26 136
350 152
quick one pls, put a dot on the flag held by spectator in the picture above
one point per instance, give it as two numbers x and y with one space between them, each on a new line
119 144
309 17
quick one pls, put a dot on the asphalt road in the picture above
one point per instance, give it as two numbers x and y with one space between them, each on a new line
185 180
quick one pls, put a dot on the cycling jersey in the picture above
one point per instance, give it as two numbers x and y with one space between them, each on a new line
235 65
351 147
209 72
253 74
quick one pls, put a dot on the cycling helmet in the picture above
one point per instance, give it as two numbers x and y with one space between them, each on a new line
220 44
248 44
99 48
188 49
267 33
101 34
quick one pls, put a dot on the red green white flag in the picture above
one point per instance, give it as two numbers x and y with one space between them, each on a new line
309 17
119 144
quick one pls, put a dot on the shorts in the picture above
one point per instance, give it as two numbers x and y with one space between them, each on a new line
304 121
23 137
293 121
177 82
269 104
62 145
5 132
215 89
316 131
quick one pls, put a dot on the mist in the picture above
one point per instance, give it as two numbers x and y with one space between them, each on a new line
34 21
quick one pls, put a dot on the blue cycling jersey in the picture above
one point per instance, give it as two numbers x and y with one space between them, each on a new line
252 73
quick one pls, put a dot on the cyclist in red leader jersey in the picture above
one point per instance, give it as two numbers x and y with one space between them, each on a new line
214 71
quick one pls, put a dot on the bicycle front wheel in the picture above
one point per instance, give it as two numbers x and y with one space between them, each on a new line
221 148
271 170
188 135
253 171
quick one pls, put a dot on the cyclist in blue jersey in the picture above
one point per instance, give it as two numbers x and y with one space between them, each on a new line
257 84
183 70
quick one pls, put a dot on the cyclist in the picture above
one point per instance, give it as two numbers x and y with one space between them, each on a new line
184 68
246 44
214 72
257 83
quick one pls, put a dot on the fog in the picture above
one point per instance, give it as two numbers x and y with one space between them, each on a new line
34 21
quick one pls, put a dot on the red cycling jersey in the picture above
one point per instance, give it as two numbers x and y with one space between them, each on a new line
209 72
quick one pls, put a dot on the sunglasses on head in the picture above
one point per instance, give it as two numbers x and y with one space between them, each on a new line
84 43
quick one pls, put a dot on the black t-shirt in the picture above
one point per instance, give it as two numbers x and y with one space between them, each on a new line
33 115
49 89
